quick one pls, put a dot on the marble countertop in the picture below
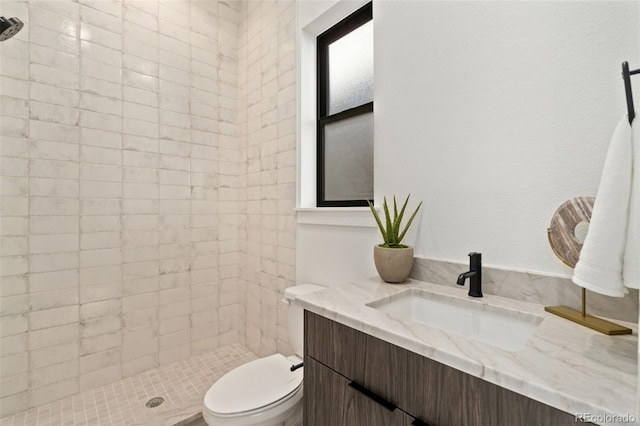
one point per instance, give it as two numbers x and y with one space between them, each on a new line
563 364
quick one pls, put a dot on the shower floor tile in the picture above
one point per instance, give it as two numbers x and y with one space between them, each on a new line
182 384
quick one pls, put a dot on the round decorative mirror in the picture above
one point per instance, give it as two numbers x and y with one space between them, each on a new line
568 229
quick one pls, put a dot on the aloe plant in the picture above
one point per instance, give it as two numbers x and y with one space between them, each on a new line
391 230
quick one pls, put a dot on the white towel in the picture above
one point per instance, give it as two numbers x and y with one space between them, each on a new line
631 265
600 265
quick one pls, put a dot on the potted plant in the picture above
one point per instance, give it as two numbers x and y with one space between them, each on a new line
393 259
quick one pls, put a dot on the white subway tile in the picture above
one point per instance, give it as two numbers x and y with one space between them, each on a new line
13 265
140 18
100 326
100 377
53 262
52 76
100 240
100 19
14 384
139 302
45 37
139 127
53 132
105 274
99 292
15 107
100 360
172 103
100 189
53 206
139 365
103 104
53 243
109 7
13 345
140 222
100 87
101 53
103 342
49 150
140 96
143 207
53 317
140 270
12 325
52 355
58 390
101 36
53 373
140 254
139 349
57 280
16 68
100 309
14 245
102 257
13 364
53 336
94 154
51 57
46 187
98 207
14 127
15 87
141 317
101 121
101 138
100 71
100 223
140 65
140 112
139 285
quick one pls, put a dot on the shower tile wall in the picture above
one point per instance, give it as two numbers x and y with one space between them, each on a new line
119 191
267 78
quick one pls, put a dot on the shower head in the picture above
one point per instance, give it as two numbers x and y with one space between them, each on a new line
9 27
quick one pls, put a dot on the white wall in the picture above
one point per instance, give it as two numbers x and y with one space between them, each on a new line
493 114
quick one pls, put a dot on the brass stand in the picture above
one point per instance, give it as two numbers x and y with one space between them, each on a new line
598 324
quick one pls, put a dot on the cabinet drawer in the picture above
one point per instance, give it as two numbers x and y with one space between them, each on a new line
377 365
340 404
443 396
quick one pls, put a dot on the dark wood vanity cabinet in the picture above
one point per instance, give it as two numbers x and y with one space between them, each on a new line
352 378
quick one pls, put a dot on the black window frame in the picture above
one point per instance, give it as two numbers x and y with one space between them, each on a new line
342 28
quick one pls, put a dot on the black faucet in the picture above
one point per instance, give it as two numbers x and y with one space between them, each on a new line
475 273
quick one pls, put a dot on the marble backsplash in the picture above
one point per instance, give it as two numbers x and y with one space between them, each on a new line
541 289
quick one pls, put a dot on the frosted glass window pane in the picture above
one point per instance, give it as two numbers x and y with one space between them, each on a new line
348 157
351 69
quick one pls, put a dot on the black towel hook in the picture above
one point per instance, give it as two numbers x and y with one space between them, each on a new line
626 76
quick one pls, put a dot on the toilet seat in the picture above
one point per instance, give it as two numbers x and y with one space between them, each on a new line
254 387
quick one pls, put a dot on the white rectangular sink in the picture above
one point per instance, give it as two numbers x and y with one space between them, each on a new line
472 318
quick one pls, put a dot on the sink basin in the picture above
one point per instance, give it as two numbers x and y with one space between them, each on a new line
474 319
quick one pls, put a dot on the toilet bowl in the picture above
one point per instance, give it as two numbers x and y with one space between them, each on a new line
265 391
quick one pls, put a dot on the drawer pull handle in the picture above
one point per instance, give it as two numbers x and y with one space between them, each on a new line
377 398
418 422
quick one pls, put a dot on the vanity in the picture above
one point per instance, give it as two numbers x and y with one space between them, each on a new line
372 358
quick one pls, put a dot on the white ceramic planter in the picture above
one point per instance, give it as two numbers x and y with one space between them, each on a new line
393 264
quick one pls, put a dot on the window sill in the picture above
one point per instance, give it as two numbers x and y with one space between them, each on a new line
336 216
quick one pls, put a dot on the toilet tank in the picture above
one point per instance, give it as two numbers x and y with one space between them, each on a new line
296 314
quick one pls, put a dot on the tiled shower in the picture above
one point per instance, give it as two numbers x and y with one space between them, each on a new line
148 187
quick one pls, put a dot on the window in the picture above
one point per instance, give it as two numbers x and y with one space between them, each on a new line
345 112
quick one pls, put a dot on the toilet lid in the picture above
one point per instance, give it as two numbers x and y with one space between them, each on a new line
253 385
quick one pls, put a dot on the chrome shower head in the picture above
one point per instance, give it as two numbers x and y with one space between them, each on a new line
9 27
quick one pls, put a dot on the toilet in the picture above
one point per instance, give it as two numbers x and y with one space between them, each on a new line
263 392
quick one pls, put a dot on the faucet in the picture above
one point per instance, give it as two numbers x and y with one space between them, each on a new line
475 273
